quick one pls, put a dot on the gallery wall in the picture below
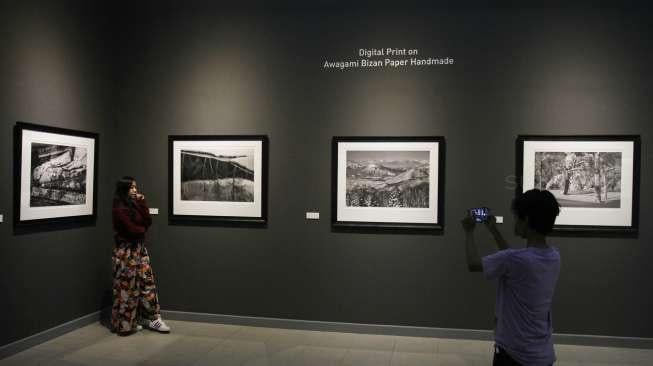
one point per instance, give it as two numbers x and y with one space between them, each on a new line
137 76
210 70
53 71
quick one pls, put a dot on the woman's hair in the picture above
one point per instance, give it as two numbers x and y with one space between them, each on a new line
121 196
541 208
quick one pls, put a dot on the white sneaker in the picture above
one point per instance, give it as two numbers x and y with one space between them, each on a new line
158 325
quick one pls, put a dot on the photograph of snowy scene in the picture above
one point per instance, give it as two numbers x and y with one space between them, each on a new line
580 179
215 175
387 179
58 175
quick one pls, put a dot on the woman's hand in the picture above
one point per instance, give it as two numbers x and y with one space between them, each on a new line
136 196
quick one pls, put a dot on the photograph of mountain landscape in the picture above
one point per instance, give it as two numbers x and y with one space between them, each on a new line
217 175
387 179
58 175
388 182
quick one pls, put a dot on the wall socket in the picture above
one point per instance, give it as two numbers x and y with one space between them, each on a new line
312 215
154 211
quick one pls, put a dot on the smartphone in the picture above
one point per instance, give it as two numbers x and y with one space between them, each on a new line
479 214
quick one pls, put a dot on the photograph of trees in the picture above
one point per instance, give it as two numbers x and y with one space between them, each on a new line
580 179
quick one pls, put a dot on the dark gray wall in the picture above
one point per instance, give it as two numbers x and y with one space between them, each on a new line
138 76
53 72
211 71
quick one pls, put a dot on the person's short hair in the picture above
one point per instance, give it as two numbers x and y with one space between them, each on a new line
541 208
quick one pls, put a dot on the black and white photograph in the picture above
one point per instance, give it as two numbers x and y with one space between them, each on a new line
217 179
388 178
58 175
388 182
580 179
595 179
217 175
55 175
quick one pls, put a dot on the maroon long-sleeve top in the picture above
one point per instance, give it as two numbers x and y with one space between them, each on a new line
130 228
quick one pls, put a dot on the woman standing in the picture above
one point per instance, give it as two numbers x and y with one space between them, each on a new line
134 291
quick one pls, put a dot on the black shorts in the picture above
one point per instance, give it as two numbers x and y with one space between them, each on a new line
502 358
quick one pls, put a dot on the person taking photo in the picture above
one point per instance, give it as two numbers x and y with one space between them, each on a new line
527 280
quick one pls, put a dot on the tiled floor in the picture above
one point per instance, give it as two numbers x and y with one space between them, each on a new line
225 345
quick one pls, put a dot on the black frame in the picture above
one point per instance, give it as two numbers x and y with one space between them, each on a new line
220 220
54 222
419 227
588 230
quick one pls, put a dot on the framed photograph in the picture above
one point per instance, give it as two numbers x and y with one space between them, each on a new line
55 176
388 182
594 178
218 179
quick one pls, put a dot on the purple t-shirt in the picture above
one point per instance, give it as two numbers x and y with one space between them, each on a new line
527 279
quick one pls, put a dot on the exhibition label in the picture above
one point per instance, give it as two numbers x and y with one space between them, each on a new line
387 58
